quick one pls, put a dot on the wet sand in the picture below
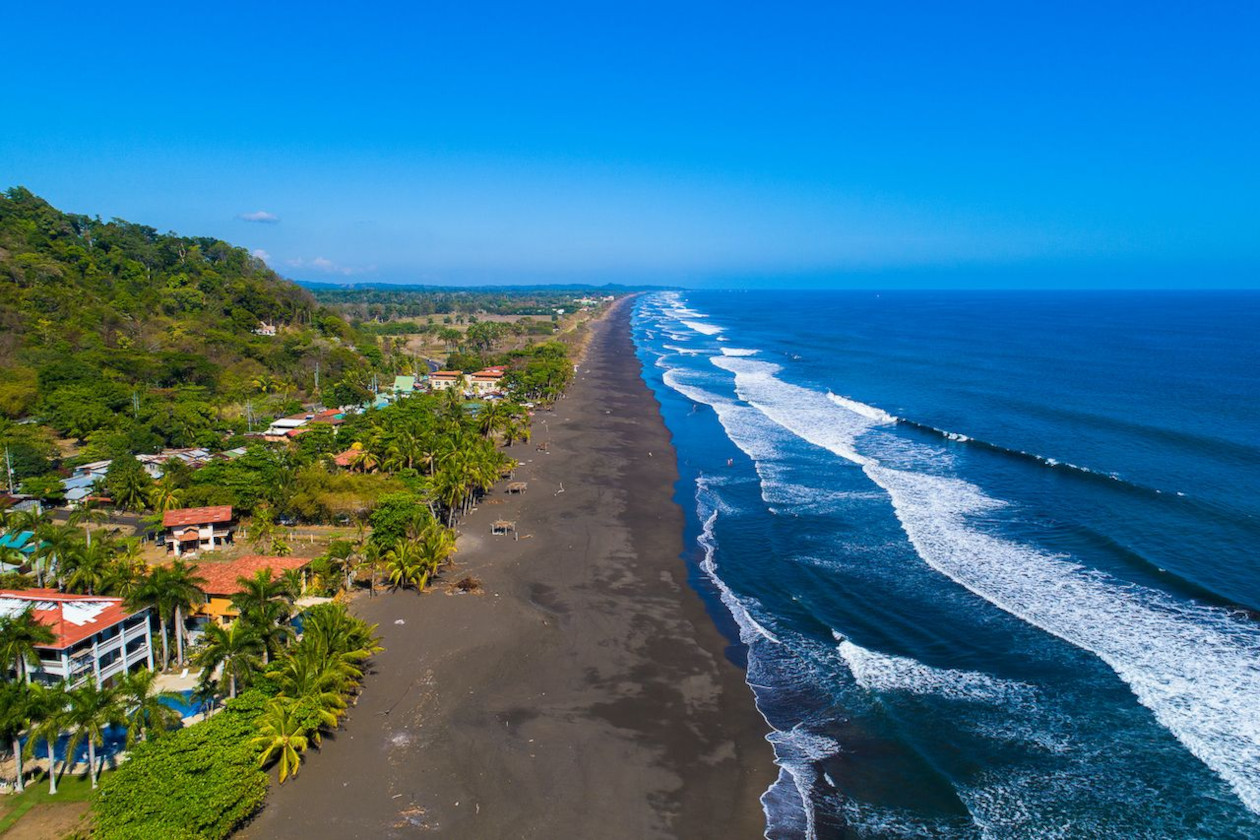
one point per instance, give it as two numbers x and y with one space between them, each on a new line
584 694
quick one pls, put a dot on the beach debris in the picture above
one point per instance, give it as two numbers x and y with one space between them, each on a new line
467 585
399 621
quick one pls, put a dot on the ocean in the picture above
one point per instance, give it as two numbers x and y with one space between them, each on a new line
990 558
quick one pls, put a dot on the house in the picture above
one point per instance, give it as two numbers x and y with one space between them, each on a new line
280 428
194 458
329 417
79 488
442 380
96 469
222 582
488 381
95 637
265 329
189 530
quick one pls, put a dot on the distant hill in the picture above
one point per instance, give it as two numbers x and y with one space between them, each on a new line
106 323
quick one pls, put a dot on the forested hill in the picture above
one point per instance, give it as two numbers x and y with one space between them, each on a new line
98 315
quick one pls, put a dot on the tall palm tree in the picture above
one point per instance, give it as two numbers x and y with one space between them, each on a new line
55 542
88 566
146 716
265 604
87 514
235 647
182 586
21 635
15 716
49 718
151 593
92 710
282 736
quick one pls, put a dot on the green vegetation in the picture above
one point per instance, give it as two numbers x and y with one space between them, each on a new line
201 782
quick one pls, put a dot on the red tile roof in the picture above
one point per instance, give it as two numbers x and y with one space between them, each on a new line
446 374
197 516
49 609
221 577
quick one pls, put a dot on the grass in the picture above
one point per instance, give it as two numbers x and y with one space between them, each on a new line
69 789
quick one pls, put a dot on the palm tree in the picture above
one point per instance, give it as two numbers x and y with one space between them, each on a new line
86 515
132 491
265 603
151 593
281 548
15 716
404 566
49 718
164 496
20 637
88 566
235 648
182 586
145 714
364 461
55 543
281 735
92 710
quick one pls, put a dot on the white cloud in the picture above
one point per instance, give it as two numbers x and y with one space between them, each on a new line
327 266
260 216
259 253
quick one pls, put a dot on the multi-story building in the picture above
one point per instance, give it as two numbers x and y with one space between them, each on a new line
189 530
96 637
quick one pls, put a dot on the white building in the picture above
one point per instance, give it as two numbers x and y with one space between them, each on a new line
189 530
96 637
442 380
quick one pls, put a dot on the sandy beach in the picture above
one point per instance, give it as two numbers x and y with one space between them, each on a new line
584 693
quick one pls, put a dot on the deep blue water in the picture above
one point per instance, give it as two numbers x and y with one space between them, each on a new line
992 555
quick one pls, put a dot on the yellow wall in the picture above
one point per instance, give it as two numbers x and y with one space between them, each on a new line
220 609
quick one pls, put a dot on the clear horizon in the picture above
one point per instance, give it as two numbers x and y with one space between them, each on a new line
895 147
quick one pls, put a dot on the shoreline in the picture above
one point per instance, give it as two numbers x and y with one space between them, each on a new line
585 692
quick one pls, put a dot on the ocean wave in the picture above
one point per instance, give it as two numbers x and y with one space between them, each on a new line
738 351
686 351
1193 666
702 327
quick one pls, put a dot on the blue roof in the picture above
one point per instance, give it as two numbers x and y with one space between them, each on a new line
18 541
81 481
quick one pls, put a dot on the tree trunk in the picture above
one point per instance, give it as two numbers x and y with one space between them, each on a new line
166 651
20 782
92 761
232 685
52 767
179 636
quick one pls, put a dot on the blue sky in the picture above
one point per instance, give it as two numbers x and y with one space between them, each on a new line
990 144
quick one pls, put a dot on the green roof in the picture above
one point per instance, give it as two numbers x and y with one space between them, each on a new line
404 384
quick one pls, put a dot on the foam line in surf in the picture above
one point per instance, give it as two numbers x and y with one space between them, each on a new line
1199 680
702 327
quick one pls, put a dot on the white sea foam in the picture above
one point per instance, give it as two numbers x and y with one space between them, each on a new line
806 413
1196 668
737 351
686 351
887 673
870 412
702 327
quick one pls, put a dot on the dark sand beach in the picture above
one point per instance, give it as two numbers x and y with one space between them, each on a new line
584 694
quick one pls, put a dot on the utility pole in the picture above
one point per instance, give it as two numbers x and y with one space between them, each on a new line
8 468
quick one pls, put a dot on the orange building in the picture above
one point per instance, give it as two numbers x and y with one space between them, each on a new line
222 582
